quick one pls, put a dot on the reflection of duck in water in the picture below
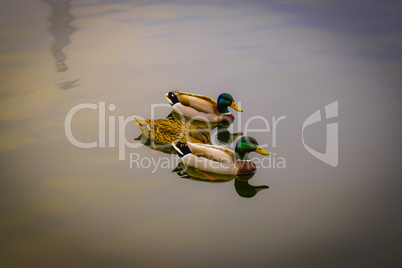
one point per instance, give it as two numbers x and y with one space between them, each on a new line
164 148
225 136
203 108
244 189
242 186
162 132
219 160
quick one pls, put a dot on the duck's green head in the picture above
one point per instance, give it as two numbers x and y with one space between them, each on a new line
246 145
225 100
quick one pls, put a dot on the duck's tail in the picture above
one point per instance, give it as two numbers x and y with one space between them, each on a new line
181 148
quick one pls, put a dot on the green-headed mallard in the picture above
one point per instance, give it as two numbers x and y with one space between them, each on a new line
203 108
220 160
165 131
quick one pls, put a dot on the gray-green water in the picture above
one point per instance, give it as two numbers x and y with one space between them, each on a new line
66 206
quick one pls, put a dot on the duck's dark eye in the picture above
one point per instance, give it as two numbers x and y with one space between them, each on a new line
171 94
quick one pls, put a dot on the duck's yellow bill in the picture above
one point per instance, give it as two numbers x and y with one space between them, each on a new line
234 106
261 151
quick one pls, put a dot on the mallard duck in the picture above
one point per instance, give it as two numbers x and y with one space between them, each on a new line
220 160
165 131
203 108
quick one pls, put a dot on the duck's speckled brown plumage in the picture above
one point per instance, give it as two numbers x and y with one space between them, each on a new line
165 131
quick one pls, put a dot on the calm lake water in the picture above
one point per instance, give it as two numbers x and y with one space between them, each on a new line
65 206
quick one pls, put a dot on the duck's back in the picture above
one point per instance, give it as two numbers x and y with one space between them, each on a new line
200 103
215 153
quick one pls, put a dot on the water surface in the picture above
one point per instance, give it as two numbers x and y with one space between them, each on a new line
68 206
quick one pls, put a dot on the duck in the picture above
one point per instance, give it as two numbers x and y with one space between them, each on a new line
218 159
203 108
166 131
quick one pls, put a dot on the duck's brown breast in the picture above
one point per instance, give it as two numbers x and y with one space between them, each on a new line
245 167
227 119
